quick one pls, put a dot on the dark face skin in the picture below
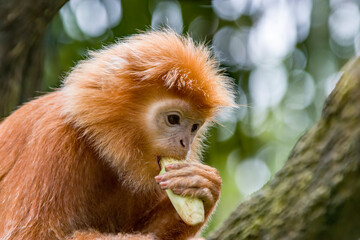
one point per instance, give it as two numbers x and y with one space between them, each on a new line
174 124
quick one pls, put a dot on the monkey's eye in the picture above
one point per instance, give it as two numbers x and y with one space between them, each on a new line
194 127
173 119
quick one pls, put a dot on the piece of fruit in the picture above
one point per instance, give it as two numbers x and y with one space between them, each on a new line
191 210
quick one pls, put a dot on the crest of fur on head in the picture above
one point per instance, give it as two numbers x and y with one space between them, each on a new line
106 95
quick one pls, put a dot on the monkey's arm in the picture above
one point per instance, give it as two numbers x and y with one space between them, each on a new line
187 179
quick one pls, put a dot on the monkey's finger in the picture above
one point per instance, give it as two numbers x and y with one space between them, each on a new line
190 182
208 172
187 177
184 169
193 163
176 173
186 182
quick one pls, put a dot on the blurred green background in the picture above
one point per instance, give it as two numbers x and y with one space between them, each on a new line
284 56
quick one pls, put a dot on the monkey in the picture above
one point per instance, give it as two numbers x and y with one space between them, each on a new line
82 162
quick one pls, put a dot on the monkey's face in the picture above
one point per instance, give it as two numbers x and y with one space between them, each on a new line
173 125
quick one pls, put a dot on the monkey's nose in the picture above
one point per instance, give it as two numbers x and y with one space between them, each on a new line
182 143
183 147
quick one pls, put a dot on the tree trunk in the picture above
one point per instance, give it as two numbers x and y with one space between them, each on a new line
22 27
317 193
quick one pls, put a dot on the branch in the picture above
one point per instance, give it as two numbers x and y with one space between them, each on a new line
22 28
317 193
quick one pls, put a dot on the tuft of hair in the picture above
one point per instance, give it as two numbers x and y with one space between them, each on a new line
107 93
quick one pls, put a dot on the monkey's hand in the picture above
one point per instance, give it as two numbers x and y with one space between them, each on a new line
192 179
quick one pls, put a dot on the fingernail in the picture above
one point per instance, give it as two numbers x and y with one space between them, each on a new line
158 178
170 166
164 184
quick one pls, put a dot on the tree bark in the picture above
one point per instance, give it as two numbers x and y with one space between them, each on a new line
317 193
22 27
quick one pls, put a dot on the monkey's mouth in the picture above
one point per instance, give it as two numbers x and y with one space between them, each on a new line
158 158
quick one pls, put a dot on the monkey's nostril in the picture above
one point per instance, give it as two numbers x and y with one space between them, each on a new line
182 143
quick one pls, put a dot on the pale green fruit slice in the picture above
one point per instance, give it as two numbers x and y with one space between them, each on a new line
191 210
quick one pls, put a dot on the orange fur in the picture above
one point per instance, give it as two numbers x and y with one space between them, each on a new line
79 160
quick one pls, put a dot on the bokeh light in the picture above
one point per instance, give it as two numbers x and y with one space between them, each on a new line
91 17
251 175
267 86
229 9
274 35
344 23
167 14
301 90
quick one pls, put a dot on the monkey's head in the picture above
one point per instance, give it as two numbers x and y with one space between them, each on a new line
149 96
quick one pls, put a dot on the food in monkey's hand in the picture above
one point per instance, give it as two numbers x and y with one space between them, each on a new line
191 210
